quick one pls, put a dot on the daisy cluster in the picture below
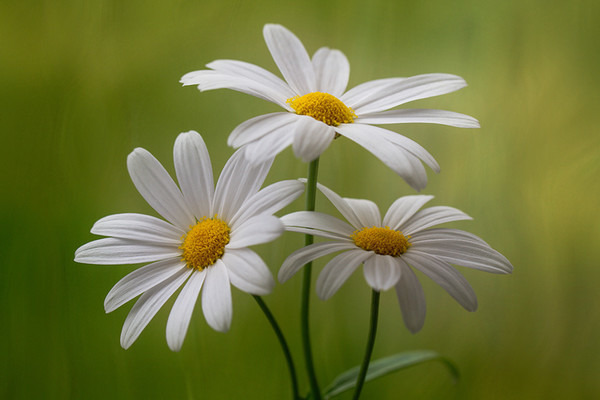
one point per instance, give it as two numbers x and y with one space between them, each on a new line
202 243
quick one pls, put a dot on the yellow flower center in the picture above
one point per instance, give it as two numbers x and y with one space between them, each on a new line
322 107
384 241
205 243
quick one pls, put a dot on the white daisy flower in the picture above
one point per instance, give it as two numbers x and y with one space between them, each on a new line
388 248
203 242
318 107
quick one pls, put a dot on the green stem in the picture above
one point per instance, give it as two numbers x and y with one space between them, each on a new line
370 342
311 192
283 343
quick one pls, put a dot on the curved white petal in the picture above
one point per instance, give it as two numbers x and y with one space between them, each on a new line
268 200
444 275
113 251
411 116
261 126
382 272
402 209
320 233
252 72
141 280
248 272
181 313
411 298
259 229
303 256
332 71
216 297
317 220
338 270
238 181
340 203
138 227
409 89
399 140
311 138
291 58
366 211
157 188
400 160
194 172
356 96
462 251
448 234
433 216
148 305
268 146
211 80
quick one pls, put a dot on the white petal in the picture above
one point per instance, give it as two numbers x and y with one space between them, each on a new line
303 256
411 116
261 126
112 251
210 80
248 272
444 275
411 298
402 141
356 96
449 234
462 251
259 229
216 298
433 216
382 272
148 305
342 206
181 313
238 181
194 172
252 72
268 200
366 211
338 270
270 145
291 58
141 280
409 89
311 138
402 209
138 227
158 189
319 221
395 157
332 71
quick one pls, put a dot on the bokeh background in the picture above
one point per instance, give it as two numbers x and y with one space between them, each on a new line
85 82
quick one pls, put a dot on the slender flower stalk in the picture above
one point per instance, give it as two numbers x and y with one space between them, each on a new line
370 342
311 192
284 346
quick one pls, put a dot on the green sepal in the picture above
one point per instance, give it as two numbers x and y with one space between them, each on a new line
383 366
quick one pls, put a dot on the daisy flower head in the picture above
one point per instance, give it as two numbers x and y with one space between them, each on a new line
318 108
201 245
388 248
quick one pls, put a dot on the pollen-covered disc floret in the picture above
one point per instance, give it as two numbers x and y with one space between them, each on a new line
205 243
384 241
323 107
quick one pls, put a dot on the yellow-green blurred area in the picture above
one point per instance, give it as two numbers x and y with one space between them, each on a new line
85 82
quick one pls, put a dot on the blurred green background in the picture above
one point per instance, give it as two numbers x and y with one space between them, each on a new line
85 82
